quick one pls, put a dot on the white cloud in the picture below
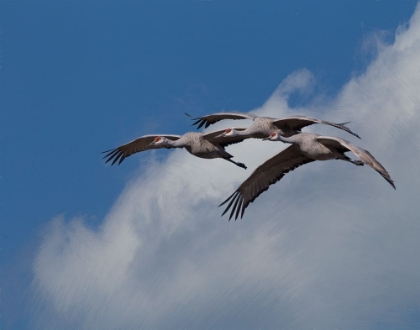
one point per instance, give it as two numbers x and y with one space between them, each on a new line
332 246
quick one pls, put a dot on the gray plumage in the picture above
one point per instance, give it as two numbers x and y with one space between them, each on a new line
201 145
305 148
263 126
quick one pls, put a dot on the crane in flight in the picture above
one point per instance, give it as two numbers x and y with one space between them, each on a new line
202 145
305 148
263 126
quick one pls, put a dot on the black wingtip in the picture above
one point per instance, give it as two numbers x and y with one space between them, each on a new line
349 130
192 118
388 179
224 211
356 135
223 203
198 121
231 199
238 208
114 155
110 155
107 151
244 206
121 160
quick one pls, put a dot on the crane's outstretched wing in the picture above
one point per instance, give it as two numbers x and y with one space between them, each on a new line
364 155
265 175
227 140
215 117
299 122
140 144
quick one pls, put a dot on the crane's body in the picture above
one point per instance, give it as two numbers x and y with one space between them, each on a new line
311 148
264 126
197 145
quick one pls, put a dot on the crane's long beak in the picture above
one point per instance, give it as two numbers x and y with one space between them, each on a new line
219 136
265 139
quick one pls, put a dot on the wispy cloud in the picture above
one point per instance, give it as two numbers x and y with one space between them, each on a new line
330 246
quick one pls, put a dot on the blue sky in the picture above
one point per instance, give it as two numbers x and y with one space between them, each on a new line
80 77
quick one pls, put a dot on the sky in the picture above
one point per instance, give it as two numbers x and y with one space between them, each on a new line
142 245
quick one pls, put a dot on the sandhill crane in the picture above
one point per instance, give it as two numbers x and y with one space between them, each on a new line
286 126
305 148
198 144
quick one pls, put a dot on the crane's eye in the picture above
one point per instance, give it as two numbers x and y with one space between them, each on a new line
158 138
228 130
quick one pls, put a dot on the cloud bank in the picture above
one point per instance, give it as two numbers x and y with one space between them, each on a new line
331 246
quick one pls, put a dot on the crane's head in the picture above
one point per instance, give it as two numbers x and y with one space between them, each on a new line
272 137
228 132
158 141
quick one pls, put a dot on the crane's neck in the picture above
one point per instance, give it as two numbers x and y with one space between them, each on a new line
291 139
176 144
248 131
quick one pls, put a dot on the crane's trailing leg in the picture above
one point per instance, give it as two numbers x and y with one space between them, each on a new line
358 162
355 162
236 163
